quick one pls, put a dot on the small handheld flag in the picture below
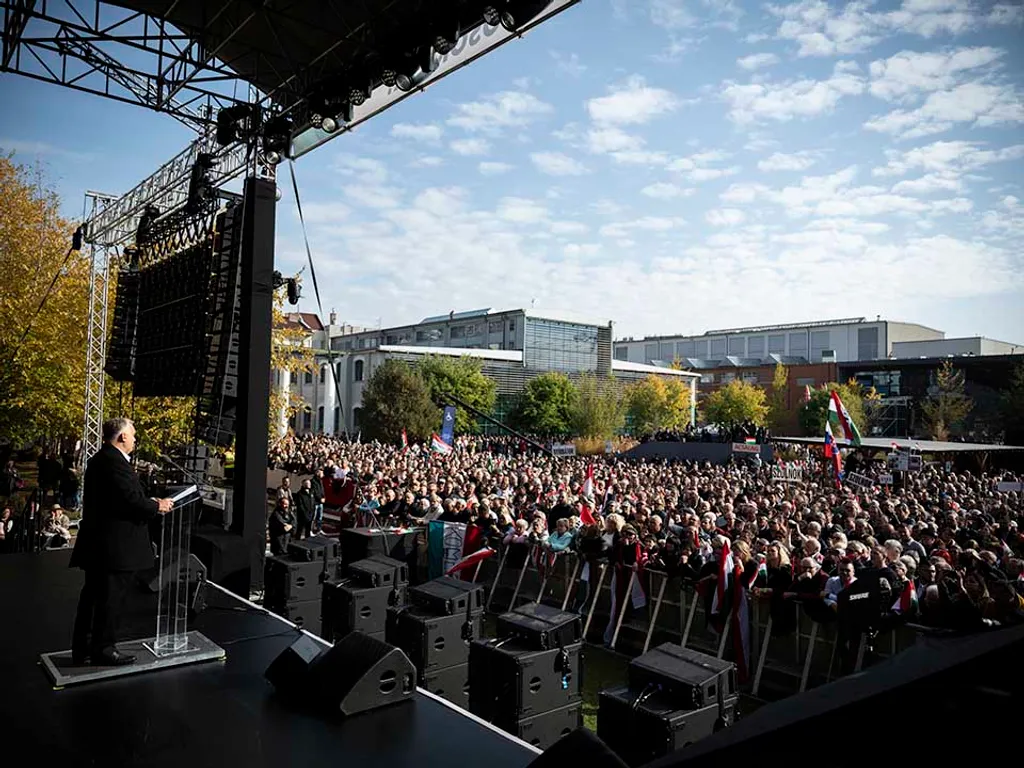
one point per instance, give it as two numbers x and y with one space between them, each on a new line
470 560
437 445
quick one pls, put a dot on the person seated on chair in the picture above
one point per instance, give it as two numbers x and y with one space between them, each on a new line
56 529
113 544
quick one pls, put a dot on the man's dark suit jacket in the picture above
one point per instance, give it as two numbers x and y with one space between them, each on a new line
114 532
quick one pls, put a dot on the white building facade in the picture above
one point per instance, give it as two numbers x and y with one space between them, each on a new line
843 340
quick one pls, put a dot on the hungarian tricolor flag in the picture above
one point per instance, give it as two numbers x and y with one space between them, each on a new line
907 601
587 492
762 570
832 451
740 624
405 440
750 440
470 560
725 570
840 419
807 393
437 445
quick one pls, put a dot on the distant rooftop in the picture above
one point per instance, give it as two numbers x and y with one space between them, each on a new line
625 365
769 328
512 355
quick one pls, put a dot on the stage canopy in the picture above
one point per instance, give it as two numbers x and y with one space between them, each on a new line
887 443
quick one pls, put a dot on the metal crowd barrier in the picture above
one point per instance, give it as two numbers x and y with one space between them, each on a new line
809 644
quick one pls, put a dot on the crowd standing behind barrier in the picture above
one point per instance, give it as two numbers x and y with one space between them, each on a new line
804 561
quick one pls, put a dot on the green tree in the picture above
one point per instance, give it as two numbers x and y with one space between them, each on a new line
464 378
598 408
777 405
396 398
288 352
736 403
946 408
814 412
656 403
545 406
42 377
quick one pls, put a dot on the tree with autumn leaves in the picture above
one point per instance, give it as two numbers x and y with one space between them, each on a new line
42 351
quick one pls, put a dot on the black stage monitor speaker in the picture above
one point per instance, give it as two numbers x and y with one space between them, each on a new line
360 543
450 683
361 673
510 681
541 626
640 727
581 747
689 679
432 642
544 729
196 570
313 548
446 595
304 614
348 608
379 571
285 579
289 672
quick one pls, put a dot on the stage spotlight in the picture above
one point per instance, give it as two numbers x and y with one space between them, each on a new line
328 125
235 123
272 157
294 291
277 137
516 14
277 194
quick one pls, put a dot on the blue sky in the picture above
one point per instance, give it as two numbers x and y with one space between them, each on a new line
673 165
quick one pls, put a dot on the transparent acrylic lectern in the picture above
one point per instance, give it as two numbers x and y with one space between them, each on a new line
175 591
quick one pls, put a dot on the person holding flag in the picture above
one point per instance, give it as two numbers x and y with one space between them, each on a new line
832 452
587 498
840 420
627 555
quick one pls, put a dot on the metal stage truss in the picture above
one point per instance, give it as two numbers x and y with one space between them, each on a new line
316 68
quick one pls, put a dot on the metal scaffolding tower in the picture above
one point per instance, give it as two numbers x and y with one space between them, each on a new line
96 334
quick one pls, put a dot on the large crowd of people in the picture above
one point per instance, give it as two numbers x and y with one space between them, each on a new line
940 547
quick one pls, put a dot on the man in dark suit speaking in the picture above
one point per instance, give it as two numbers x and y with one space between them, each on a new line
113 544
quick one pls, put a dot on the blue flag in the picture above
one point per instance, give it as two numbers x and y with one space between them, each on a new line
448 424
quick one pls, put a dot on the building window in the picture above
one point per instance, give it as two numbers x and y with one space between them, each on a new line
820 341
553 346
650 352
357 417
867 343
798 345
806 382
357 371
718 348
777 344
621 353
750 378
307 377
707 378
307 421
337 420
391 339
512 325
701 349
686 349
362 344
458 332
738 345
323 374
337 371
727 377
473 330
755 346
494 326
320 419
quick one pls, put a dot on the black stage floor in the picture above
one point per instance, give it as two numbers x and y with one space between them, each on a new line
213 714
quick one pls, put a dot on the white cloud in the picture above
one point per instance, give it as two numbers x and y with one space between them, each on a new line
666 191
557 164
568 63
698 175
325 213
441 201
975 103
928 184
430 134
427 161
493 114
519 210
946 157
569 228
657 224
725 217
671 14
493 168
632 103
366 169
469 147
780 161
822 29
373 196
784 101
908 72
757 61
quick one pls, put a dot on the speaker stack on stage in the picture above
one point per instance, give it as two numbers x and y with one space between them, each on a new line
443 616
528 680
293 582
675 697
359 600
